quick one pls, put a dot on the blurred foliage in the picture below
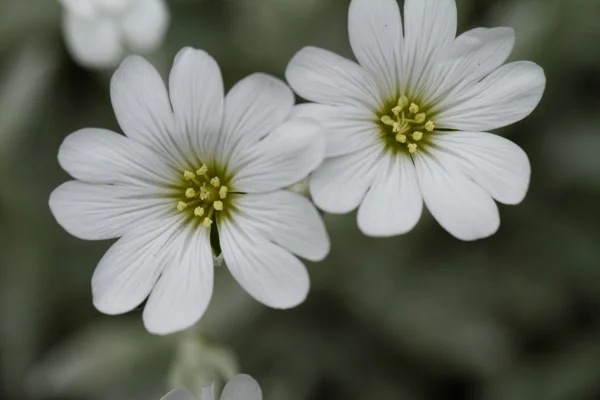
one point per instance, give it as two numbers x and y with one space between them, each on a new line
421 316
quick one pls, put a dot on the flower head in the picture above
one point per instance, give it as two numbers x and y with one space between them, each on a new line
99 33
197 174
408 122
240 387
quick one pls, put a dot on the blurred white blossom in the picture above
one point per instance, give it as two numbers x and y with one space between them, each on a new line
100 33
240 387
407 124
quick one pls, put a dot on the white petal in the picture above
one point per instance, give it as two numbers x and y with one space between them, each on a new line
128 271
254 107
375 30
429 27
208 392
196 88
287 219
266 271
393 205
142 107
324 77
241 387
144 27
185 287
346 130
81 8
98 212
472 56
181 394
93 42
507 95
461 206
101 156
339 184
284 157
496 164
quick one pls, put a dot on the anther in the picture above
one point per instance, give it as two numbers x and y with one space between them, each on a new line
215 182
189 175
403 101
430 126
401 138
397 110
397 127
203 169
181 206
218 205
386 119
190 193
207 222
412 148
417 135
414 108
198 211
420 118
223 192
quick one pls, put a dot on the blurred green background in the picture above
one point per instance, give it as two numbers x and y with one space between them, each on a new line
420 316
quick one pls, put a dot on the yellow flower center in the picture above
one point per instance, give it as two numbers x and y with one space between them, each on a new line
204 195
407 123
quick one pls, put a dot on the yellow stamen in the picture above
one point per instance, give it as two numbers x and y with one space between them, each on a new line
412 148
198 211
397 110
414 108
190 193
215 182
417 135
181 206
401 138
386 119
397 127
218 205
430 126
189 175
223 192
420 118
403 101
207 222
203 169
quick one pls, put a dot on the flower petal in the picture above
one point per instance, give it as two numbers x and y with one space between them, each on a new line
266 271
496 164
101 156
375 30
507 95
472 56
93 42
429 27
254 107
339 184
142 107
182 394
129 269
144 27
185 287
241 387
287 219
284 157
98 212
393 205
324 77
346 130
196 88
461 206
208 392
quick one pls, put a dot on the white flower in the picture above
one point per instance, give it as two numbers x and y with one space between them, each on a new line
195 168
100 33
408 123
240 387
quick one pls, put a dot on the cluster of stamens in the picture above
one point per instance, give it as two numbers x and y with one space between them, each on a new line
204 193
408 124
